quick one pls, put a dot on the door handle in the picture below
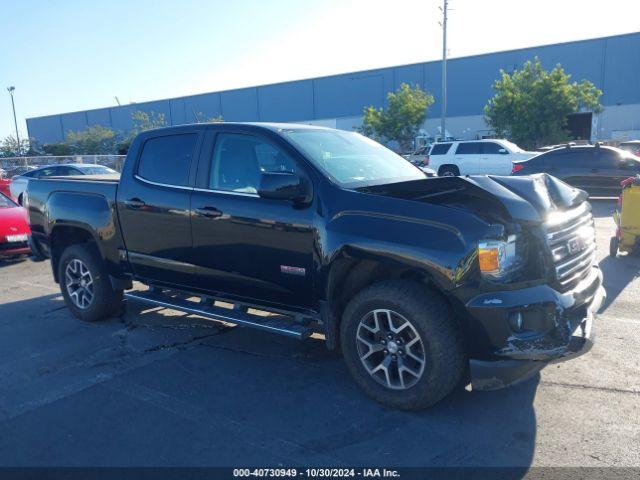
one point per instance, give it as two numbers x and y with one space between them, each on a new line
134 203
209 212
594 170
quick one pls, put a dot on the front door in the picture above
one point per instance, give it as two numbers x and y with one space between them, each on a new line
244 246
154 209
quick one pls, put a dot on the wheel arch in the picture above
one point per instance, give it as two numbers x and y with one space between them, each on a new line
349 275
63 236
446 166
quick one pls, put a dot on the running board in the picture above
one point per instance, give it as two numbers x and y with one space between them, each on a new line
280 324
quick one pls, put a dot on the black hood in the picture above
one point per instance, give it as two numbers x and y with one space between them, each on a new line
527 198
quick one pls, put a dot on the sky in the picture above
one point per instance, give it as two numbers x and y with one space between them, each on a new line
67 55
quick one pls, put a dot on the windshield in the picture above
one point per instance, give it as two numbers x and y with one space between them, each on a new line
352 160
6 202
96 170
512 146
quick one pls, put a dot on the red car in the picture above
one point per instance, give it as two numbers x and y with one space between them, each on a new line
4 186
14 228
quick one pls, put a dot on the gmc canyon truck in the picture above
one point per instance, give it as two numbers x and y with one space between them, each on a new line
425 284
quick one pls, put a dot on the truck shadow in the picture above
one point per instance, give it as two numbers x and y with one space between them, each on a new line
179 390
617 274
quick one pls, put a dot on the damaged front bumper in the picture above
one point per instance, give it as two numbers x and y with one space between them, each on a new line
564 322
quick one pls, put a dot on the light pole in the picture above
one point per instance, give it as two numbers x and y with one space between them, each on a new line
443 124
15 122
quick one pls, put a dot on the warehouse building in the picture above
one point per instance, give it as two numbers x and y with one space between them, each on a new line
611 63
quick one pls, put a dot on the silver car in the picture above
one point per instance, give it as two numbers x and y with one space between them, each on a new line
19 183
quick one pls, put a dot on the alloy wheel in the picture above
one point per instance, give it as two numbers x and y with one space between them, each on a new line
79 283
390 349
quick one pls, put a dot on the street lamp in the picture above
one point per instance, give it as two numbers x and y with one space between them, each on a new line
15 122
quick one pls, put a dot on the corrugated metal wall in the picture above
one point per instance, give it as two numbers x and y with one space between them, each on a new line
612 63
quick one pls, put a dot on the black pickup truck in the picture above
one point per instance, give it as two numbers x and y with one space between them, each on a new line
425 284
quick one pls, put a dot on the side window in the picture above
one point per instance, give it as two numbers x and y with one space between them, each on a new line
440 149
608 159
469 148
167 159
47 172
579 159
491 148
66 171
239 160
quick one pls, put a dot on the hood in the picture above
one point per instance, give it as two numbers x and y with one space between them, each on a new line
13 220
493 198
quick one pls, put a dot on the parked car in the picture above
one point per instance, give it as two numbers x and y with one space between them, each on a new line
4 186
19 183
476 157
594 168
14 229
632 146
20 170
422 282
420 157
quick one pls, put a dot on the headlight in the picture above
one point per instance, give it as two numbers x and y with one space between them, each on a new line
499 259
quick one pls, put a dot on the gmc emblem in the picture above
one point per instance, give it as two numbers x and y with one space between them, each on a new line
575 245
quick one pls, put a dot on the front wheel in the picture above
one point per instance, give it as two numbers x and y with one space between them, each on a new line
402 345
85 284
613 246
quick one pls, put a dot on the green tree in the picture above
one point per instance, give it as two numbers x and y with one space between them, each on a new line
96 140
531 105
406 112
9 147
144 121
202 118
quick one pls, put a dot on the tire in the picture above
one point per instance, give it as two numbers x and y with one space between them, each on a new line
613 246
449 171
430 319
82 263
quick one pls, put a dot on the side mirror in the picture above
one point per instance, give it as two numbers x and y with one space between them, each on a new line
283 186
503 151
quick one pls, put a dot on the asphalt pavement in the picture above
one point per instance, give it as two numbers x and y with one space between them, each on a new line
159 388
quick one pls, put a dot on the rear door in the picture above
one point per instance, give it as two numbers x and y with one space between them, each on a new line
154 207
438 155
245 246
467 158
571 165
495 159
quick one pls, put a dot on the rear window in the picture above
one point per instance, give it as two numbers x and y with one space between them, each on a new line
440 149
167 159
469 148
631 147
6 202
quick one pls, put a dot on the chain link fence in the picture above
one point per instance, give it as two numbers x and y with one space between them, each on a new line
112 161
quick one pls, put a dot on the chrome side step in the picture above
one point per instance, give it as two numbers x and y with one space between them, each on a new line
280 324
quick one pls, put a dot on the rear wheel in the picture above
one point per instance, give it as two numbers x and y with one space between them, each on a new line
402 345
85 284
449 171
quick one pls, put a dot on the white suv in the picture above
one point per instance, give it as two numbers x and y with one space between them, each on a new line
475 157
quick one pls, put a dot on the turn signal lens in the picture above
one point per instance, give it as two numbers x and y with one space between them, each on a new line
489 256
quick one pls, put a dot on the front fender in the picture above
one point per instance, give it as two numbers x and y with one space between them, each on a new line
437 249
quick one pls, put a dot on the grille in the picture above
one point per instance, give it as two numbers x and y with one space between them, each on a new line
571 238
